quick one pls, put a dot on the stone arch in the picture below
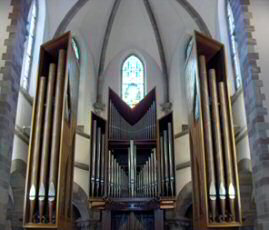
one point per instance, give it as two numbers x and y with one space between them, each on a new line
184 200
80 201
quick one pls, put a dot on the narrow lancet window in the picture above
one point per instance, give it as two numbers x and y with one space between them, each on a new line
133 81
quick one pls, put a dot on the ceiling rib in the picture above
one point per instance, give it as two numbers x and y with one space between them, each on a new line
69 16
195 16
159 44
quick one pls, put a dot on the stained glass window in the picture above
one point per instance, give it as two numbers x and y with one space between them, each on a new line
133 88
76 49
29 45
234 47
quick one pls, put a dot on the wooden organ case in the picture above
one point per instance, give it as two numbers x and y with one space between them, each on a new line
216 197
49 178
132 161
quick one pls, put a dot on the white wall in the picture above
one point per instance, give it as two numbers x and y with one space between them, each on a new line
208 11
56 11
260 9
5 9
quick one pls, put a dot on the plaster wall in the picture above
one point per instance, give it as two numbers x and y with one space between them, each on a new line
82 149
182 149
183 176
81 177
56 11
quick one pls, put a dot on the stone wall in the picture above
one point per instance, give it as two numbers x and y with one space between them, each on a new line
9 85
254 103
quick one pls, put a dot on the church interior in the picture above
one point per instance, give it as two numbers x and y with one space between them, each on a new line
134 114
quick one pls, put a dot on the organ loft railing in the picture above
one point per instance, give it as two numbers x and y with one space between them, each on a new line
132 157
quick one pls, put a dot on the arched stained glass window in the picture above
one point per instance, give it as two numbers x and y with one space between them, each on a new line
234 47
76 49
29 45
133 85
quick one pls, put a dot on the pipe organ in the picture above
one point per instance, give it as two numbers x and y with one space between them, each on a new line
132 146
49 178
214 166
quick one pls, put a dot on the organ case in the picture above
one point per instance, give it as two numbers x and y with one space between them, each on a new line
49 178
132 157
216 197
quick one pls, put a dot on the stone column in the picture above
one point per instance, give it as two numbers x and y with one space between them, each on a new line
9 87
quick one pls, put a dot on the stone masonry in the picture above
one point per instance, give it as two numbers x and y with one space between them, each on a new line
9 88
255 110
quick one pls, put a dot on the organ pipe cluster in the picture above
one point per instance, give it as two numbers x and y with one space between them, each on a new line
46 144
119 128
167 170
97 170
217 142
117 178
147 182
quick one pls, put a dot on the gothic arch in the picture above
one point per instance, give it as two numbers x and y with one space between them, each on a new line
80 3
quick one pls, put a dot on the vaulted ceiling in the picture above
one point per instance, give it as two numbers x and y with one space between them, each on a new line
154 26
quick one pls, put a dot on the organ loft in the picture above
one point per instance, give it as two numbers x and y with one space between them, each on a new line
134 114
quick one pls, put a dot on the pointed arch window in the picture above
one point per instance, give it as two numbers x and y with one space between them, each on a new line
133 80
234 47
29 45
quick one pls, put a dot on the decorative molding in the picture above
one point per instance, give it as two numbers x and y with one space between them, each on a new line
166 107
181 134
183 165
81 166
83 134
98 106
